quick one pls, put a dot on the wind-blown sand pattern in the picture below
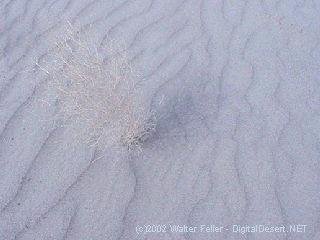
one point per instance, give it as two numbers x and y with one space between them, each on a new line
224 109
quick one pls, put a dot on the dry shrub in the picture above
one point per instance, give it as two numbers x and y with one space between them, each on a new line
99 100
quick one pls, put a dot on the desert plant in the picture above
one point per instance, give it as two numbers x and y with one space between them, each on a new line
97 91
